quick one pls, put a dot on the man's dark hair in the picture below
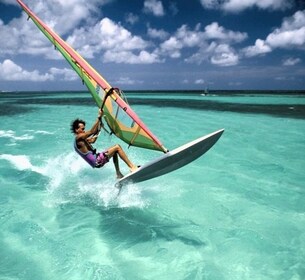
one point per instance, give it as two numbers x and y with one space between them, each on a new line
75 124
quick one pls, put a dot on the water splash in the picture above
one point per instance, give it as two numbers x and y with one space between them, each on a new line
10 134
21 162
71 180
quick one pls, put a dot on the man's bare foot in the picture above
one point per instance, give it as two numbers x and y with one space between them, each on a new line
134 168
119 175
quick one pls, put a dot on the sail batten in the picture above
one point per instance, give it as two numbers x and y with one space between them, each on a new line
115 108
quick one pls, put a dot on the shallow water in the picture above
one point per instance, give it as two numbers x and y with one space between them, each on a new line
238 212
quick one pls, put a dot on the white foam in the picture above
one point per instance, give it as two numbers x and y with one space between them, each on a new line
39 132
6 133
63 168
98 184
131 196
71 178
14 138
21 162
12 135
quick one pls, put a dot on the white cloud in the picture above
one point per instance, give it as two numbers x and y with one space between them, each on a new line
173 8
143 57
199 82
284 78
17 37
64 74
217 52
234 84
214 31
108 36
9 71
55 12
291 61
154 7
240 5
190 38
10 2
290 35
126 81
116 36
131 18
203 54
224 55
8 40
237 5
210 4
112 42
259 48
287 39
183 38
22 36
157 33
115 42
171 47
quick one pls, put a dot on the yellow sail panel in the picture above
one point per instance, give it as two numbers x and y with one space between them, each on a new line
125 124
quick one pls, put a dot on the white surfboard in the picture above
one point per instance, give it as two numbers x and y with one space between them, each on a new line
172 160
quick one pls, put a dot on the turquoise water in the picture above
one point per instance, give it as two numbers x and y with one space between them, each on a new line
238 212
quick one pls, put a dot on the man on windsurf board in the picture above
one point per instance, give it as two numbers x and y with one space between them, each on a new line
84 139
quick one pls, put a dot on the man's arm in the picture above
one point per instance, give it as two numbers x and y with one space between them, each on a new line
92 139
94 128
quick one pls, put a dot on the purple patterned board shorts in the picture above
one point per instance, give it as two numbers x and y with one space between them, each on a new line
101 159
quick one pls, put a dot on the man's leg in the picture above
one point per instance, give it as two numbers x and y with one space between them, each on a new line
116 149
117 167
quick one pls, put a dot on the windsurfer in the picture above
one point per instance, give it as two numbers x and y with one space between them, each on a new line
84 139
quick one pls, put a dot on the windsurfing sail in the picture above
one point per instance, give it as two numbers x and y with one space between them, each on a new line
121 119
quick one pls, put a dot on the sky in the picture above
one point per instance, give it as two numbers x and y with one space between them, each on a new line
157 44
